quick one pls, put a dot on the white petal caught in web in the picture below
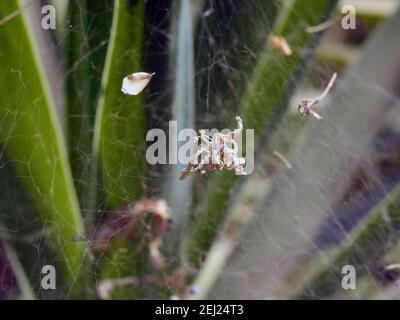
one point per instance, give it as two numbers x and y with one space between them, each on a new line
134 83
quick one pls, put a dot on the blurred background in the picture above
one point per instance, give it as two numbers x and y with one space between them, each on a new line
319 218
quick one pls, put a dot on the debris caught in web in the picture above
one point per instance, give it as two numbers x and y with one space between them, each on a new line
134 83
216 153
393 266
323 26
282 158
123 222
280 44
306 104
105 287
176 279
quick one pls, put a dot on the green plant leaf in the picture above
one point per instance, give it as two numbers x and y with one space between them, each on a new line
88 24
16 210
32 139
264 101
120 136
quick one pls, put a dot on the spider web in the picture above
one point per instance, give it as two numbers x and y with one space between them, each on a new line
341 168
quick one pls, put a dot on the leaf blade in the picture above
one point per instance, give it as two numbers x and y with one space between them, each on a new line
33 141
119 141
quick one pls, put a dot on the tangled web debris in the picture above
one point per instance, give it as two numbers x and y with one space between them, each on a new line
122 222
216 153
323 26
306 103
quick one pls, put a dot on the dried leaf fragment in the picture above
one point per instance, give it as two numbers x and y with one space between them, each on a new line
280 44
282 158
306 104
392 266
323 26
123 222
176 279
134 83
216 153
